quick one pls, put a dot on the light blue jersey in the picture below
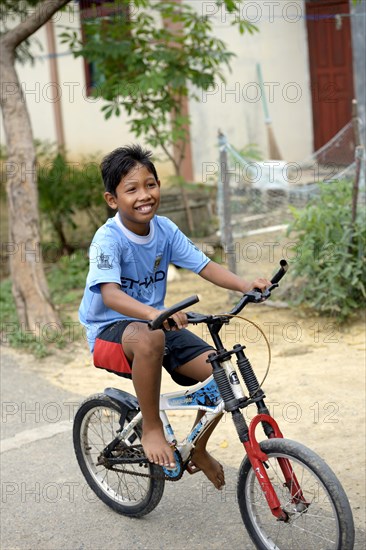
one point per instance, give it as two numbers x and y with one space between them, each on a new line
138 264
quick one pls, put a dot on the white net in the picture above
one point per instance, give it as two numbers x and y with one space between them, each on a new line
260 193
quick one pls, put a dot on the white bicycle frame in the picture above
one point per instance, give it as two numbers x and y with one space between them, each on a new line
203 396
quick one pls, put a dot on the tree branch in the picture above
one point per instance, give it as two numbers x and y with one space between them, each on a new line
157 133
42 13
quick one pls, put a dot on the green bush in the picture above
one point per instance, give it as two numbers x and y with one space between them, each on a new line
330 252
66 189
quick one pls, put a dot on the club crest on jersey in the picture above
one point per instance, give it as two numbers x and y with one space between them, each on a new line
104 261
157 262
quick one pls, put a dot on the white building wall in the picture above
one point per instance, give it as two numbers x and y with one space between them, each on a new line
234 107
86 130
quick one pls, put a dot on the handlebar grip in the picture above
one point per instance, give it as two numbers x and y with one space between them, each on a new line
159 320
280 273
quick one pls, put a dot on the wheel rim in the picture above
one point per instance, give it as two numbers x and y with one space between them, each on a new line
314 527
98 428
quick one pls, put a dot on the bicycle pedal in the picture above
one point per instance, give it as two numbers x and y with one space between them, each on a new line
192 468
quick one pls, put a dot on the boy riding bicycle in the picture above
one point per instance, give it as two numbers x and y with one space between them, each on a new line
126 287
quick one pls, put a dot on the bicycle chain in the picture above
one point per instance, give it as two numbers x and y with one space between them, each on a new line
140 474
133 452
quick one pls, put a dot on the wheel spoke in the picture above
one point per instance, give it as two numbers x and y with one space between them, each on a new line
314 515
312 533
127 492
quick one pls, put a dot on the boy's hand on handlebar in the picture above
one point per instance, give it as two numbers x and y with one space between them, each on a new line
176 321
259 284
179 321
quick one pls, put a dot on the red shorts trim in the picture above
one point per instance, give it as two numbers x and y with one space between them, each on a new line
110 356
180 347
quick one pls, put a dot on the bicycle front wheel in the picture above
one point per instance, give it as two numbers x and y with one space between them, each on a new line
320 519
130 489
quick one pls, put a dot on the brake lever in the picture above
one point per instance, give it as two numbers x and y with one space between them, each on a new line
192 318
171 322
196 318
267 293
256 296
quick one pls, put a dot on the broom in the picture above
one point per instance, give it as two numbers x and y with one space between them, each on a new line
274 152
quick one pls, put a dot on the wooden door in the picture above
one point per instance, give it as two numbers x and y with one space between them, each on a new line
331 71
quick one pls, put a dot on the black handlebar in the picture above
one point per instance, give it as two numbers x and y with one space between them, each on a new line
256 295
164 315
280 273
251 296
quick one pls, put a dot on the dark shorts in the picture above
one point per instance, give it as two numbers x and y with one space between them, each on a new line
181 346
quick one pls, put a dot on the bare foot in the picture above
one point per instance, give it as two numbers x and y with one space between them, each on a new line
209 466
156 447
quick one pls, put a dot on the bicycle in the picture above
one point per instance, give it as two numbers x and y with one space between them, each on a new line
287 495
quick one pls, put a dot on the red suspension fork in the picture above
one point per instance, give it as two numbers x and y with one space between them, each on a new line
257 457
263 480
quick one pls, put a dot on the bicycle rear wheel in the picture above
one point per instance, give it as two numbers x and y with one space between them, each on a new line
325 522
96 424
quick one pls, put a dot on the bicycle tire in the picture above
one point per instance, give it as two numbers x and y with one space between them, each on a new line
95 426
326 524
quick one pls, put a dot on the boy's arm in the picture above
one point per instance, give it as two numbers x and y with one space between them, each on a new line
220 276
121 302
114 298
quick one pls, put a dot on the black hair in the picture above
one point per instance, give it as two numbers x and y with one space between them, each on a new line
119 162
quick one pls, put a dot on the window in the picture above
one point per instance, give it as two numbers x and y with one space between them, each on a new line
105 11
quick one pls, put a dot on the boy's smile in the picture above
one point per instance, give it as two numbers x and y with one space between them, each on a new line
145 208
137 199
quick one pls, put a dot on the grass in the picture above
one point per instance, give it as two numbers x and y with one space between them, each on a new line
66 280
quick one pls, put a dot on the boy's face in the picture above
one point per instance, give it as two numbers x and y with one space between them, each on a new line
137 199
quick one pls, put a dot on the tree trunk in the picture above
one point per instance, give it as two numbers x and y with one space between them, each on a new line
66 248
30 290
26 267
